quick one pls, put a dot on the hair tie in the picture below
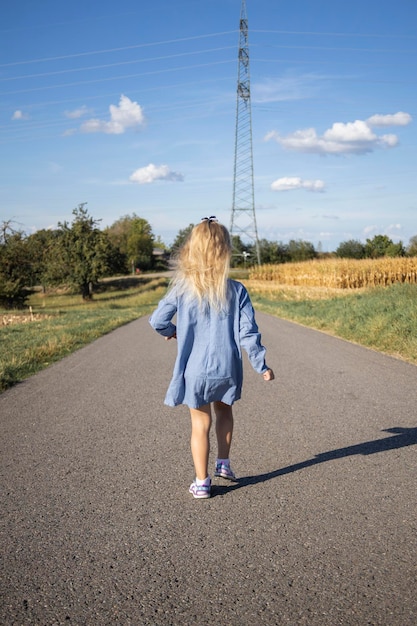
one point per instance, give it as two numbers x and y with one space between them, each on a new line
210 219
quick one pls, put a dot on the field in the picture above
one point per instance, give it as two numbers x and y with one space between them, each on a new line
372 302
382 318
340 273
56 324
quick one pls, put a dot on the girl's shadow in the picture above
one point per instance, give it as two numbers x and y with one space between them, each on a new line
403 437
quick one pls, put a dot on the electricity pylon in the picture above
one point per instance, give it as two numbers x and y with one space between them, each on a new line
243 221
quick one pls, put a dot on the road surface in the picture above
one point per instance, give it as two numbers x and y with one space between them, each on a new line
98 527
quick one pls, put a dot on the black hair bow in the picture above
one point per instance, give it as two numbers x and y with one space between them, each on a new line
210 219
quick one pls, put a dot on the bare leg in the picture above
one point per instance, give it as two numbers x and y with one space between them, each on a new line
200 441
224 428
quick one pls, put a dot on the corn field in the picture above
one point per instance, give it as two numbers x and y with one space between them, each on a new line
340 273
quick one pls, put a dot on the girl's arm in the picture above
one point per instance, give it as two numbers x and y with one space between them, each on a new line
160 319
250 337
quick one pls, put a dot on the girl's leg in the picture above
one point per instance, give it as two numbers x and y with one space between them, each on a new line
200 441
224 428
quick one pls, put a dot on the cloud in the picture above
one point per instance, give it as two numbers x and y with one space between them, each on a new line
284 88
19 115
392 230
343 138
396 119
295 182
152 172
370 229
77 113
126 115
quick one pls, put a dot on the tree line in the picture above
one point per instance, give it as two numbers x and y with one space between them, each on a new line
75 254
79 254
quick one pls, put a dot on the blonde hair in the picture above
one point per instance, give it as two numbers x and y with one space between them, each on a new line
203 264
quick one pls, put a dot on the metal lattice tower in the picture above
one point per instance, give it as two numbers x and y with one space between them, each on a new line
243 221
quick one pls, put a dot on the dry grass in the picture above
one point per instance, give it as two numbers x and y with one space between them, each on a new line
382 318
23 318
58 324
292 293
340 273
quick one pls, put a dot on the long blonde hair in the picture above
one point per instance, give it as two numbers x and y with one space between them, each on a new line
203 264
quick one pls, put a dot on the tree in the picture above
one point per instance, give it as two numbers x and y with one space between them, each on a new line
133 237
160 244
81 253
41 253
412 246
299 250
181 238
273 251
242 254
140 244
14 267
382 245
115 261
352 249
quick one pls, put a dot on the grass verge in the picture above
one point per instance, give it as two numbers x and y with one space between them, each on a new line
382 318
63 323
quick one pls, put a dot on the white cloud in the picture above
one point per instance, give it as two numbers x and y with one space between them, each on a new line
351 133
396 119
343 138
152 172
126 115
392 230
290 183
19 115
390 141
76 113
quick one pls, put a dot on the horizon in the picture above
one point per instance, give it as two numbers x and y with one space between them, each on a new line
134 111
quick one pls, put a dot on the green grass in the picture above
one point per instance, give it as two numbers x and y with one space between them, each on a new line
67 323
384 318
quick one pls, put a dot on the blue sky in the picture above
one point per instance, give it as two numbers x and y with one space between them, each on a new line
131 108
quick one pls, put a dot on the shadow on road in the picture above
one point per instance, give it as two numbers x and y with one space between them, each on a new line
403 437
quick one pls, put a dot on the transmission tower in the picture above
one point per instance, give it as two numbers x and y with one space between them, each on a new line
243 221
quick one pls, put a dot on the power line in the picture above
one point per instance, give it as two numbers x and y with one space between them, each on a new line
221 33
117 93
110 78
334 34
106 51
107 65
196 52
339 49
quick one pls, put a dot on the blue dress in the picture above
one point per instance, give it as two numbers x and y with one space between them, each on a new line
209 359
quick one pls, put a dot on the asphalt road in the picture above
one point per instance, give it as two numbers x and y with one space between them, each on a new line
98 527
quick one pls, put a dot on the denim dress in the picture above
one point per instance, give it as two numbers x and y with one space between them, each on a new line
209 359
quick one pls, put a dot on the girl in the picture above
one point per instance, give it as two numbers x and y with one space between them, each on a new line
215 319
